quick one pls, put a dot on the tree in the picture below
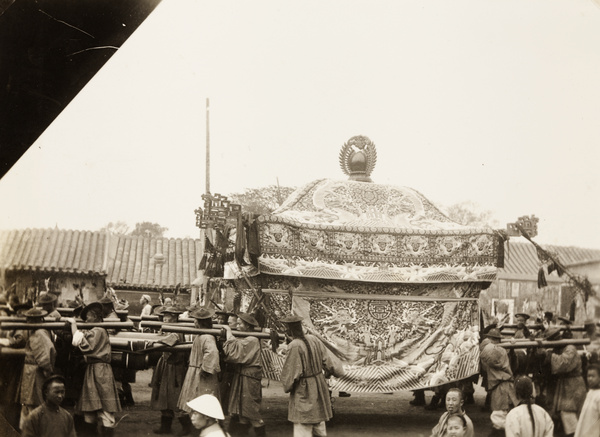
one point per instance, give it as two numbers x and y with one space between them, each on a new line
470 214
147 229
263 200
118 227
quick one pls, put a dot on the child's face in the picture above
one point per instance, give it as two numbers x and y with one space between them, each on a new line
453 402
455 427
593 379
199 420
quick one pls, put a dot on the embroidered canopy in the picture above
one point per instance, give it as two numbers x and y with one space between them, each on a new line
380 275
361 231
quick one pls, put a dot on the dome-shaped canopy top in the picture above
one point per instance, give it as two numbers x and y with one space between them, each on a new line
358 206
359 231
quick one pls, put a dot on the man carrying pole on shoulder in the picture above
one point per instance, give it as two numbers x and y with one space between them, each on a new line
246 390
202 373
99 400
40 357
168 375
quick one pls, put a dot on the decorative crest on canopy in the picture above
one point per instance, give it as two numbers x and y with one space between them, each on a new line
358 157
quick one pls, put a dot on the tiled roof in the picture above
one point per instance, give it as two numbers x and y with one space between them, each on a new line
136 263
54 250
128 262
521 260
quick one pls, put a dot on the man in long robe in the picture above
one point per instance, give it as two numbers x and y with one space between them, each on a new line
227 369
202 373
495 362
99 400
246 390
570 391
303 378
40 356
168 376
519 361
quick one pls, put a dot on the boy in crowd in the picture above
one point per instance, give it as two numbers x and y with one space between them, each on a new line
587 426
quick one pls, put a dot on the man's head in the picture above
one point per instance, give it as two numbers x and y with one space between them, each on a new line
223 317
145 299
107 306
35 315
53 390
92 313
202 317
171 314
494 335
47 301
233 322
246 322
521 319
454 401
593 376
294 326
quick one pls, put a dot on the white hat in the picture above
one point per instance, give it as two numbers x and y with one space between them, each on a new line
207 405
147 297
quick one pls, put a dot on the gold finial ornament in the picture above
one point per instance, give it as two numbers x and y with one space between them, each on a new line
358 157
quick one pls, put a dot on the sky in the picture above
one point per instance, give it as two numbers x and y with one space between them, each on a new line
495 102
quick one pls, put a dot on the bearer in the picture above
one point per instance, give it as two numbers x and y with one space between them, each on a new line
168 375
246 390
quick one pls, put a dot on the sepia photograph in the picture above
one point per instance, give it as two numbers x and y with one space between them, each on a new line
342 218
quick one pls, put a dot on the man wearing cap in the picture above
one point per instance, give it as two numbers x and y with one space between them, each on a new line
519 361
123 377
168 375
303 376
145 303
202 374
108 308
50 419
47 301
246 390
227 369
522 330
569 390
40 357
495 363
99 399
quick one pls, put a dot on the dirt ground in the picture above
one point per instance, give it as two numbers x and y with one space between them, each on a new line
358 415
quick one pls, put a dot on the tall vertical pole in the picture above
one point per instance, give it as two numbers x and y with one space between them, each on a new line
199 294
207 146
